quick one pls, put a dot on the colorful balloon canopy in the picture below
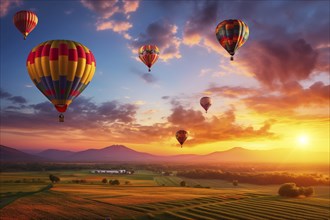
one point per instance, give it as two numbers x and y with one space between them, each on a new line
148 54
61 70
25 22
206 102
232 34
181 136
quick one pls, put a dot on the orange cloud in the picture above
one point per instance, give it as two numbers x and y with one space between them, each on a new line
90 123
130 6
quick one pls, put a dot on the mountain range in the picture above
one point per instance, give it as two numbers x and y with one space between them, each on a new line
120 153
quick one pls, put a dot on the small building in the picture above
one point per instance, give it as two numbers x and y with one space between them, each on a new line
111 171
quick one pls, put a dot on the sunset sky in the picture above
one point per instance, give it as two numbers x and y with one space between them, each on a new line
275 94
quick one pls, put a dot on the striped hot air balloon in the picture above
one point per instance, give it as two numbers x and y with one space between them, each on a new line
25 22
232 34
148 54
61 70
181 136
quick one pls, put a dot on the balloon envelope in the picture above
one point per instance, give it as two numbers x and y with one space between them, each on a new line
25 22
148 54
181 136
206 102
232 34
61 70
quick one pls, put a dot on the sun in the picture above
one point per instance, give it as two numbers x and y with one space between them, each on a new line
303 141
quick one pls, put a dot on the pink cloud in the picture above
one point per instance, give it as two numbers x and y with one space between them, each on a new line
120 27
106 10
6 5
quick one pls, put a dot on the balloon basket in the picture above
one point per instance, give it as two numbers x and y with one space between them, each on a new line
61 118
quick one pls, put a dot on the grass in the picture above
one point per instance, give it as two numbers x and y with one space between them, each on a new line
145 197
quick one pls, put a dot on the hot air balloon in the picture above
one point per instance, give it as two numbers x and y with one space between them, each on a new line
61 70
181 136
25 22
148 54
231 35
206 102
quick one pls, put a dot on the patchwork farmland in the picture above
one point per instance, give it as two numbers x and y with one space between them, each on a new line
150 196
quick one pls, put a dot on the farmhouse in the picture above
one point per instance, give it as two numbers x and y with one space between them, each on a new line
111 171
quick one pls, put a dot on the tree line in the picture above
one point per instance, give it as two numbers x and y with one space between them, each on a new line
267 178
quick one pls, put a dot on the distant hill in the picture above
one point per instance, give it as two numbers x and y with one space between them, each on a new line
120 153
112 153
54 154
8 154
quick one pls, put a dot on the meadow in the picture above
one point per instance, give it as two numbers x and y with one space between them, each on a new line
149 195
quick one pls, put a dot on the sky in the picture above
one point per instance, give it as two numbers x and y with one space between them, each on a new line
275 94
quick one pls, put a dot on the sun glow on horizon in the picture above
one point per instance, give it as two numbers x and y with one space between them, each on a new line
303 141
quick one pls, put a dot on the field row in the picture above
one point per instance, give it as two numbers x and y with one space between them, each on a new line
237 207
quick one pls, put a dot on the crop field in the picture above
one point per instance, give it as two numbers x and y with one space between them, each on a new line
150 196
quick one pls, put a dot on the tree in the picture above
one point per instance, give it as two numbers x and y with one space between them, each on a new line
54 179
183 183
114 182
308 191
289 190
235 182
104 180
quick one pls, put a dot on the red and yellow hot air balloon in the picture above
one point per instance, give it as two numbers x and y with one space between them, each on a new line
181 136
232 34
148 54
206 102
25 22
61 70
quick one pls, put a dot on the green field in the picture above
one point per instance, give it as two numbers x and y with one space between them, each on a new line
147 195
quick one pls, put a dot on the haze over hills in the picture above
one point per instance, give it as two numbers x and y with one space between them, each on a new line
117 153
8 154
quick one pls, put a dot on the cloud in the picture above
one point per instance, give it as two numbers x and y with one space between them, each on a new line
6 5
231 91
162 34
201 23
103 7
219 128
13 99
117 122
4 94
292 97
120 27
149 78
146 77
17 99
291 47
107 10
139 102
286 100
280 60
130 6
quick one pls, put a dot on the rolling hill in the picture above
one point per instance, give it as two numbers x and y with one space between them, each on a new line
8 154
120 153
